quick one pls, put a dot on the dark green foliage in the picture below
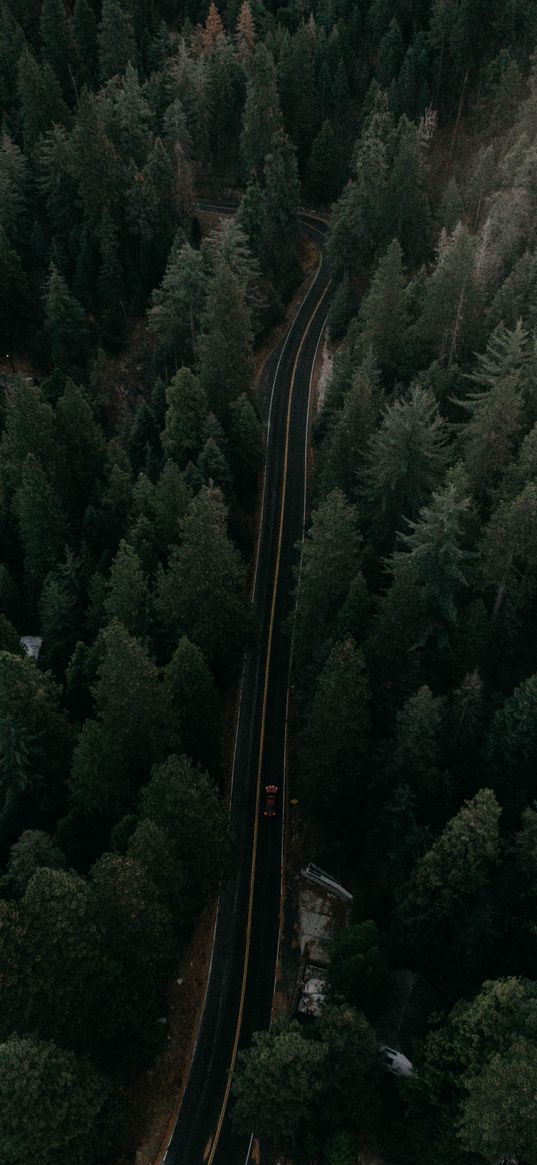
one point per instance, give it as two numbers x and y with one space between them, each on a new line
203 594
117 46
34 737
225 343
414 644
31 852
52 1105
325 169
65 322
357 967
193 699
181 840
334 739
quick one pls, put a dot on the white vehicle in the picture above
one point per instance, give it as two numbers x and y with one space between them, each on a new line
395 1062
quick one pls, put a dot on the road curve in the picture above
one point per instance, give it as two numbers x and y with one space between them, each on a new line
241 979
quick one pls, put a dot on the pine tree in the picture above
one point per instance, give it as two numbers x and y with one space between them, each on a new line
262 114
390 55
213 30
412 90
325 172
416 757
34 737
330 561
128 597
282 189
57 40
60 613
511 746
448 323
52 1103
177 304
85 32
343 449
42 523
454 872
245 31
11 43
186 416
333 742
65 321
203 595
296 84
432 557
408 203
117 44
246 445
39 99
405 460
14 293
361 221
508 549
194 701
83 450
384 315
226 342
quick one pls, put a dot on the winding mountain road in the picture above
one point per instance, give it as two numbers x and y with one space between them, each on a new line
241 980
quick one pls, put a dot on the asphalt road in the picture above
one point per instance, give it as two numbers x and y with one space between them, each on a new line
241 980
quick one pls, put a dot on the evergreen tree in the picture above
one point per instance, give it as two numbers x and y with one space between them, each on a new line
194 701
117 45
384 311
177 304
127 599
85 32
408 203
42 524
34 738
281 202
225 344
13 292
186 416
60 612
203 595
360 223
454 873
281 1073
333 742
65 321
57 40
39 99
245 31
343 449
296 85
184 804
448 323
405 460
511 745
52 1104
262 113
246 445
33 850
498 1118
324 174
330 561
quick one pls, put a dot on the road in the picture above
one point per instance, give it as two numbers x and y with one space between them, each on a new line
241 980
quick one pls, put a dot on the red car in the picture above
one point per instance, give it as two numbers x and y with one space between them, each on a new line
271 793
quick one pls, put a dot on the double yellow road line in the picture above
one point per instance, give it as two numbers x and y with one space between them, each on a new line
231 1069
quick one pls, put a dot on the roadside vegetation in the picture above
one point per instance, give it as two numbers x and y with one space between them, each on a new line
130 453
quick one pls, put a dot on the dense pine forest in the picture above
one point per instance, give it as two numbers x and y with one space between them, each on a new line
130 458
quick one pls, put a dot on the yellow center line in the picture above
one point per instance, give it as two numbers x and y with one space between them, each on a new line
262 739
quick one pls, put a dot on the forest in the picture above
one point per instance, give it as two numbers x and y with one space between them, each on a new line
130 456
